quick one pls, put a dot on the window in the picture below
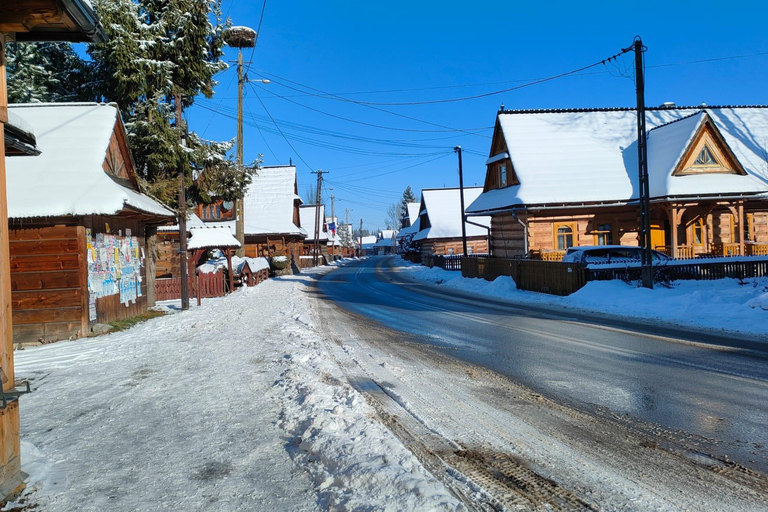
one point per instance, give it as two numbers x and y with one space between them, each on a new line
749 227
470 249
604 235
697 232
503 175
564 236
450 250
705 157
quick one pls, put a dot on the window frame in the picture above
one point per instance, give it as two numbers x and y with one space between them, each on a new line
574 234
603 232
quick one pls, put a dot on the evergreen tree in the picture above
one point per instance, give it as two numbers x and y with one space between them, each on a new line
408 197
345 235
47 72
158 49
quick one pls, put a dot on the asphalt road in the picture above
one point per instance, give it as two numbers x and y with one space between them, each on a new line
717 394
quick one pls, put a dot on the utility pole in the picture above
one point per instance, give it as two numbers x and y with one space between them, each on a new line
361 236
182 215
642 161
316 245
240 37
457 149
333 220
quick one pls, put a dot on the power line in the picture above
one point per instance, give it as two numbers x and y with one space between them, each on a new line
278 80
278 127
466 98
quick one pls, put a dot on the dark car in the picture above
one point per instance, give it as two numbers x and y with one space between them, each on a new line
607 254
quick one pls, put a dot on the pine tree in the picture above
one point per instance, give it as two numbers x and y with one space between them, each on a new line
345 235
47 72
158 49
408 197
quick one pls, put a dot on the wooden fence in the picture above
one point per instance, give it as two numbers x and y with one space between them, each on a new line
209 285
703 269
552 277
560 278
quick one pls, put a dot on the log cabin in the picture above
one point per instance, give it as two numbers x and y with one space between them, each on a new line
78 225
562 178
41 20
440 218
272 223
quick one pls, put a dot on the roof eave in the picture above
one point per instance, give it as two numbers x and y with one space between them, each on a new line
82 16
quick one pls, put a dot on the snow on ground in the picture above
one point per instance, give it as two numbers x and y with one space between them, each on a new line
726 305
229 406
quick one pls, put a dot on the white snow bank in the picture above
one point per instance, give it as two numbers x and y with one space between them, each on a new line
723 305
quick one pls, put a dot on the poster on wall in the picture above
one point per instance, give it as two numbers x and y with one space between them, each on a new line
114 267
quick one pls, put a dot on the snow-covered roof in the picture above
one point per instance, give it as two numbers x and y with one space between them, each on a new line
307 218
368 241
211 237
578 156
67 178
443 208
413 211
268 202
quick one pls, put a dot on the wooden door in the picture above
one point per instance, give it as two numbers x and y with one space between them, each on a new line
658 235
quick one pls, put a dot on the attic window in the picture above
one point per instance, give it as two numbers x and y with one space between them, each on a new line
705 157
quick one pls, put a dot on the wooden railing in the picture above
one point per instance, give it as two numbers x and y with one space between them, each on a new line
756 249
547 255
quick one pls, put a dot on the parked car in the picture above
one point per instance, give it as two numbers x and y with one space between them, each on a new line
606 254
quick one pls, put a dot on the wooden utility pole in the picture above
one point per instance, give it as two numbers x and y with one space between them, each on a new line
239 220
182 214
457 149
316 245
361 236
240 37
642 161
333 220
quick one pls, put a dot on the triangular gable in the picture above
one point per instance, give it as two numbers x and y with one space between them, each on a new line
500 172
707 153
118 160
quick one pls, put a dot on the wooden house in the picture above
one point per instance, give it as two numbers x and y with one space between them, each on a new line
386 242
440 220
78 224
44 20
560 178
271 218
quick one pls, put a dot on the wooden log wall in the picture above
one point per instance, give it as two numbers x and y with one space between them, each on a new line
49 283
110 308
507 237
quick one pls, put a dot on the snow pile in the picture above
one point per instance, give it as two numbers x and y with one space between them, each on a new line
352 458
202 411
220 262
724 305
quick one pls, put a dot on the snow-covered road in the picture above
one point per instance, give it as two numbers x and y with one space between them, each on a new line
273 399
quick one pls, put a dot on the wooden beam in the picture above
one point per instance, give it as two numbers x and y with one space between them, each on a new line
740 227
229 268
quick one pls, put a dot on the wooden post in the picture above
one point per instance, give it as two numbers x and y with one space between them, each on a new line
229 268
673 224
10 469
150 265
199 295
239 210
742 246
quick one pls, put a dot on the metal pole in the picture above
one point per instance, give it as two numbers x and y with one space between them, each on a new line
457 149
642 160
239 221
182 218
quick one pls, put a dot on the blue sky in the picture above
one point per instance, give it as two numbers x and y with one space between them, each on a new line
325 59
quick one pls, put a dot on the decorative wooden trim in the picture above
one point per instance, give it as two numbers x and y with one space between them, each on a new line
708 134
